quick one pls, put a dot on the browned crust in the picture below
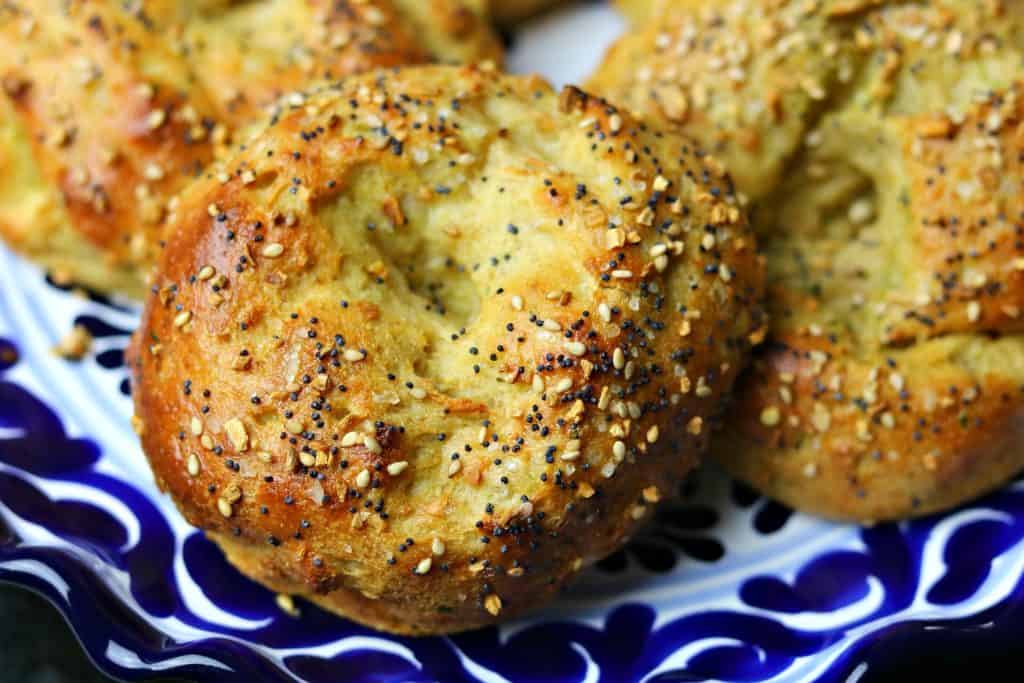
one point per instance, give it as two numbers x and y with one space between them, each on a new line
121 105
933 418
891 385
555 514
946 437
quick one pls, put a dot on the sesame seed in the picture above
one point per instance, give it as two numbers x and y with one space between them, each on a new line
820 418
156 118
75 344
224 507
236 434
372 444
695 426
363 479
424 566
205 273
182 319
396 468
153 172
576 348
350 439
629 371
861 211
273 250
437 547
492 603
354 355
770 416
813 89
196 426
619 449
973 311
618 358
286 604
193 465
652 434
564 385
622 274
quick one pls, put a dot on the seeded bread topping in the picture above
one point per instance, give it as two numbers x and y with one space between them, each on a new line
109 108
440 341
878 144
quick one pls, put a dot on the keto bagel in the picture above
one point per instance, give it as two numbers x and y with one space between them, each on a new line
441 339
110 108
879 146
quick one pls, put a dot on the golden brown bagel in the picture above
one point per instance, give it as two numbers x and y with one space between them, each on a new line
880 144
440 341
109 108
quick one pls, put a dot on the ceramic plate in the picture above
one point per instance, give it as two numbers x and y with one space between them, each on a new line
725 586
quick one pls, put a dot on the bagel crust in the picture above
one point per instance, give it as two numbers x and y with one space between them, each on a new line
880 146
638 11
506 12
441 340
110 108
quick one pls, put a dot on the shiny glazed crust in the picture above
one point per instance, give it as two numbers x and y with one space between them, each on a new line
110 108
879 145
440 341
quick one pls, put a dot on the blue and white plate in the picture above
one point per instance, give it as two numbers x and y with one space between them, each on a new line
726 586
